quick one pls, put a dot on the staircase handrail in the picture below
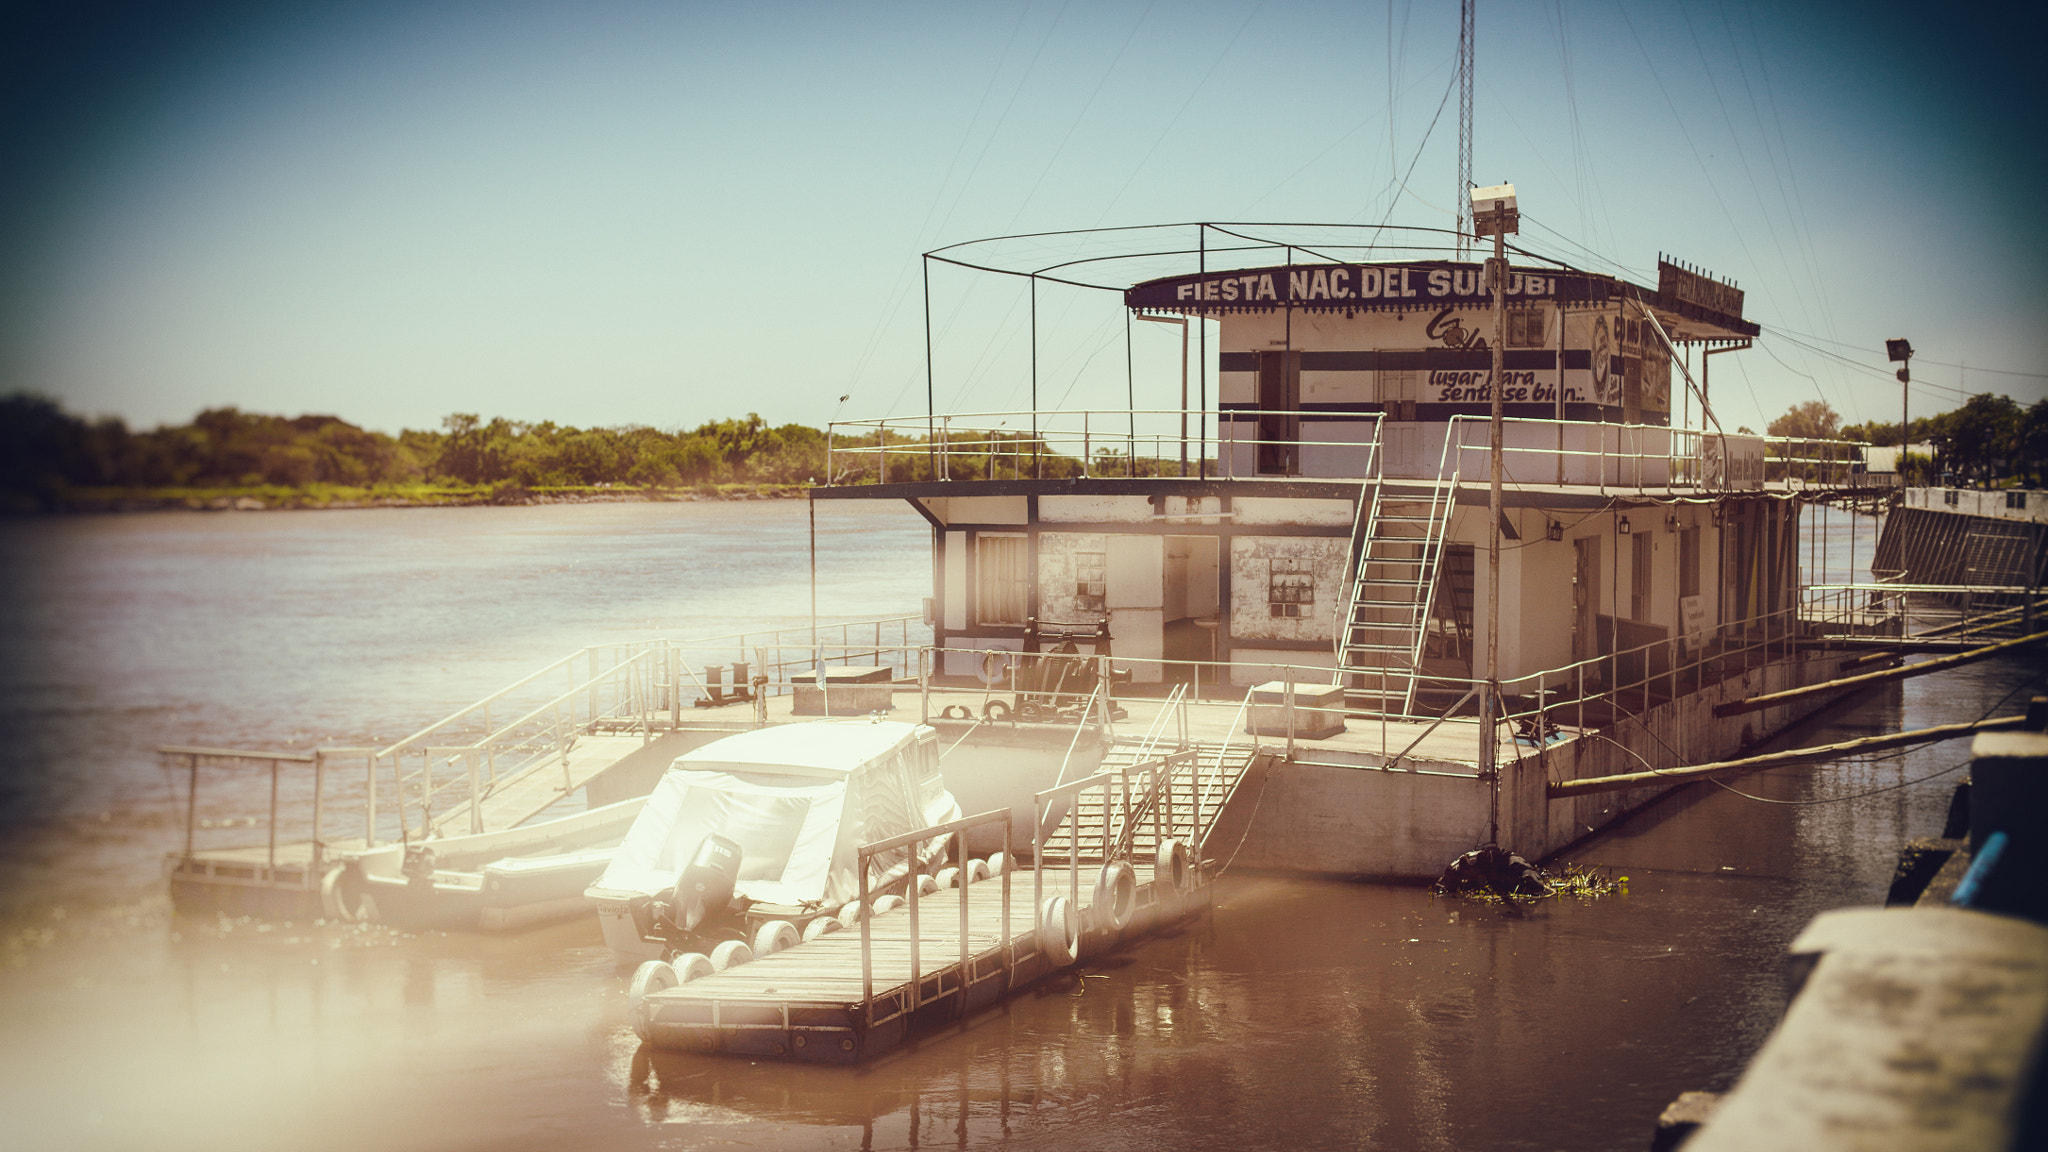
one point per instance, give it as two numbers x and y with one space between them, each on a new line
1198 836
1363 522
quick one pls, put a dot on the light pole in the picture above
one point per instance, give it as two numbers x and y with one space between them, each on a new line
1494 214
1900 352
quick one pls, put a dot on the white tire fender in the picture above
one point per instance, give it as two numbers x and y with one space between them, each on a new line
1116 896
649 978
692 966
774 936
1171 867
1059 931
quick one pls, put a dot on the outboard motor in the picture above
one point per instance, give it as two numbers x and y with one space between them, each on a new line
705 884
418 866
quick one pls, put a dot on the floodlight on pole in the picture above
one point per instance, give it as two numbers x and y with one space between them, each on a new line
1900 352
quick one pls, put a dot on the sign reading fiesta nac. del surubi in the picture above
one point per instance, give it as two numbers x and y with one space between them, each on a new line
1354 284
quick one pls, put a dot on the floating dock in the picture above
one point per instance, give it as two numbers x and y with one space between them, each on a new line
1116 856
851 996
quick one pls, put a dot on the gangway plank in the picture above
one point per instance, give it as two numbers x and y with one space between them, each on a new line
517 799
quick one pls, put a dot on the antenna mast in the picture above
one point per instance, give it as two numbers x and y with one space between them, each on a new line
1464 196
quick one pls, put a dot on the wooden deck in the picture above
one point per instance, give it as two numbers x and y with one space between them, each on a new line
812 1002
1452 746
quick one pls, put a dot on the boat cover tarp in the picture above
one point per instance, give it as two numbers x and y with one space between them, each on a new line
798 831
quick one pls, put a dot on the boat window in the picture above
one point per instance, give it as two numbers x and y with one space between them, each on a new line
1689 562
1002 578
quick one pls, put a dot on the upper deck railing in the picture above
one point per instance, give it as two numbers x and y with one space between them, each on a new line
1148 443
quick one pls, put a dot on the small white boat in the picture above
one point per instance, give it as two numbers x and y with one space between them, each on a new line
493 880
758 833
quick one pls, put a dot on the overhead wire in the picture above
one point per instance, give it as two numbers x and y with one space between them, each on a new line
1083 113
1110 204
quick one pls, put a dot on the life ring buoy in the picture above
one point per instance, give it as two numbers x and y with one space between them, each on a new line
948 878
995 666
1116 896
975 870
774 936
730 954
888 904
822 926
996 712
649 978
1059 932
999 863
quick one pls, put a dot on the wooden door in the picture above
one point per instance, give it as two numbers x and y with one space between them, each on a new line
1279 413
1585 598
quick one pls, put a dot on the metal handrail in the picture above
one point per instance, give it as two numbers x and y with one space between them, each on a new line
957 830
1678 464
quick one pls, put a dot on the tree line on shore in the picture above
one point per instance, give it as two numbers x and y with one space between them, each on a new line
48 456
1989 440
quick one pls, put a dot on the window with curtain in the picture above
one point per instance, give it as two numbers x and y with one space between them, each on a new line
1002 579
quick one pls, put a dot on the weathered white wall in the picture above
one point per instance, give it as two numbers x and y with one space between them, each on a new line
1405 824
1057 574
1094 509
1251 619
1261 510
978 509
1970 502
1545 598
1192 509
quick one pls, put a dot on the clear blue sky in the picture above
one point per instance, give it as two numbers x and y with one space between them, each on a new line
601 213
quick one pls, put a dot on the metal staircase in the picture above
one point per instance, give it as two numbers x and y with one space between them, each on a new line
1398 548
1201 786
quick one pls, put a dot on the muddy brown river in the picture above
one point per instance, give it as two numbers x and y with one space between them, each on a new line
1305 1013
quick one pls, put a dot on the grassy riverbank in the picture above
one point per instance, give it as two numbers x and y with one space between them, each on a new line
277 497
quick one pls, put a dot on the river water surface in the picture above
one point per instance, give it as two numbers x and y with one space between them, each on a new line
1305 1013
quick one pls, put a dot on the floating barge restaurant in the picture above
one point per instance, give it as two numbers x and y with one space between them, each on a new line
1246 630
1304 542
1277 584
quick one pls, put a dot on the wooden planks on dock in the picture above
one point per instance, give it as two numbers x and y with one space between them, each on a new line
810 1002
828 969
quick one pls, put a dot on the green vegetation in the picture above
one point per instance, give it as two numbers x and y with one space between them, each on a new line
1990 441
51 459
